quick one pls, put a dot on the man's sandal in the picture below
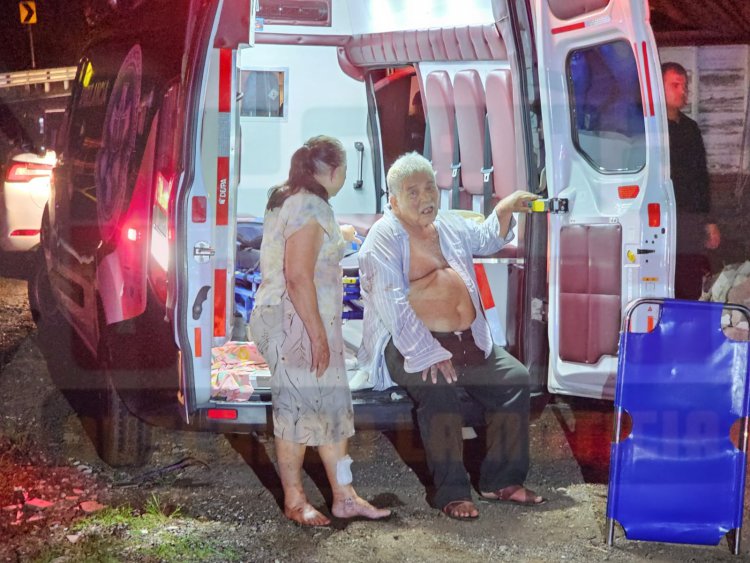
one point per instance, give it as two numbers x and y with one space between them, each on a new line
515 494
458 510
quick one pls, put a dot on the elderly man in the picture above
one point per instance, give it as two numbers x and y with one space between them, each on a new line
425 330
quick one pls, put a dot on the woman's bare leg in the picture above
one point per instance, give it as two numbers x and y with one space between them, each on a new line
346 502
296 507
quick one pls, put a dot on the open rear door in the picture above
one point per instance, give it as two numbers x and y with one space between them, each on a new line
206 305
607 154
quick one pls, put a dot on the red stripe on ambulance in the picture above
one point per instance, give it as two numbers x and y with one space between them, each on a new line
225 80
640 79
220 302
488 304
648 79
566 28
226 70
485 293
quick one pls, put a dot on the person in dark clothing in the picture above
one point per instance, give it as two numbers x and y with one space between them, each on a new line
696 232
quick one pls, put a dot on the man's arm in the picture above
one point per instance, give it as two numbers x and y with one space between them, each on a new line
382 279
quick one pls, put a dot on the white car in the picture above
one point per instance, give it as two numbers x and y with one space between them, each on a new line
23 195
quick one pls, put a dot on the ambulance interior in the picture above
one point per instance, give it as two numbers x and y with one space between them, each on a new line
445 93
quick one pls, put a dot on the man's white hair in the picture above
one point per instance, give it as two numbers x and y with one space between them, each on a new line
405 166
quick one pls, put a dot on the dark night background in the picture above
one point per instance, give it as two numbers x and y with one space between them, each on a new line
61 28
58 35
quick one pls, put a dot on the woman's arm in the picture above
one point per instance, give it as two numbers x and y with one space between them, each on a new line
300 255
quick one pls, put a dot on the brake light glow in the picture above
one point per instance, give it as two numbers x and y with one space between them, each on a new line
27 171
159 248
24 233
222 414
132 234
654 215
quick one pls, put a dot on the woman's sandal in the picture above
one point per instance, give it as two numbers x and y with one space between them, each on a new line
453 510
510 494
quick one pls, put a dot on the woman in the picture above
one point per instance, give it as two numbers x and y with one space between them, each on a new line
296 324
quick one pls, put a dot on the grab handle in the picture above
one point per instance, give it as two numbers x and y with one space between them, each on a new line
360 148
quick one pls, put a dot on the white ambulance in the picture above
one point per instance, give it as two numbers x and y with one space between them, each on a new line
184 114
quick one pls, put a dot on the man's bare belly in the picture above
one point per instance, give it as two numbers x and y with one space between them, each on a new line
441 301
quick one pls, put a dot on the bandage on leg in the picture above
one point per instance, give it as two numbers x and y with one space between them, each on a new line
344 471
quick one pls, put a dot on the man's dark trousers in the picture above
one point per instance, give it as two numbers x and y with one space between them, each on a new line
500 383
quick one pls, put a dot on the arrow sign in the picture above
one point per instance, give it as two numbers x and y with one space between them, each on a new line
28 12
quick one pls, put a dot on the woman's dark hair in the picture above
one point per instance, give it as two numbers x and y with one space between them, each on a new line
318 155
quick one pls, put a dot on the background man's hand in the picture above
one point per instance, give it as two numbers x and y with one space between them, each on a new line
445 367
713 236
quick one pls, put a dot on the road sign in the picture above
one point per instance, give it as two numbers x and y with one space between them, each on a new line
28 12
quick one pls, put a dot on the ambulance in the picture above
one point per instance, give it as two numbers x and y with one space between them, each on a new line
184 114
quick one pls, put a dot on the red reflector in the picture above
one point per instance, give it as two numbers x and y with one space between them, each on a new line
27 171
654 215
199 207
222 414
628 192
25 233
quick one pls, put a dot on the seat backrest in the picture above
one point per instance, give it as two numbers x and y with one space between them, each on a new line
468 93
499 89
439 107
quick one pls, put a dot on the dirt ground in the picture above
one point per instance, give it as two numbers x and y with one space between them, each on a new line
228 493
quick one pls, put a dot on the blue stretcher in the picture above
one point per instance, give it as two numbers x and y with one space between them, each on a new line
678 477
246 284
247 276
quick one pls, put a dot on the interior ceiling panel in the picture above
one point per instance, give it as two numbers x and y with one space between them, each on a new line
681 22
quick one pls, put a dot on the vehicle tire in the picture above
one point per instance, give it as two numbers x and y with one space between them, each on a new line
41 299
122 439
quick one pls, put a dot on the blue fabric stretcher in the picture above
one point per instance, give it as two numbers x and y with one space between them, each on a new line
247 276
677 477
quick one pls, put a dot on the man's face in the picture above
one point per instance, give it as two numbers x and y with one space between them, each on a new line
675 90
416 203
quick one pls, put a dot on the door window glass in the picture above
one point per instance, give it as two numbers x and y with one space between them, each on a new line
606 106
263 93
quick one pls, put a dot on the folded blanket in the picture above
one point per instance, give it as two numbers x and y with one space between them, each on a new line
235 368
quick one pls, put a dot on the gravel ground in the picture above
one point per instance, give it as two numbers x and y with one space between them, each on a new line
228 492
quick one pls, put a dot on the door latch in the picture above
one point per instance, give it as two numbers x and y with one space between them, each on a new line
551 205
202 251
